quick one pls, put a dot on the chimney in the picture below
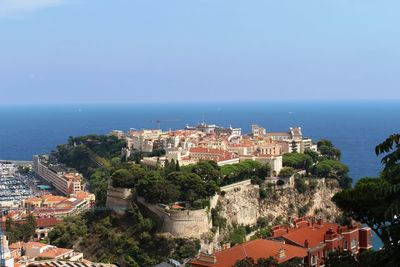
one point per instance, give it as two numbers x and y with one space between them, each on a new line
306 244
209 258
281 253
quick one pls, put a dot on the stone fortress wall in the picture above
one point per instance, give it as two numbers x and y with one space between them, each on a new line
118 199
179 223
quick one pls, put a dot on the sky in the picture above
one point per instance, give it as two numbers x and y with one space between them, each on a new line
117 51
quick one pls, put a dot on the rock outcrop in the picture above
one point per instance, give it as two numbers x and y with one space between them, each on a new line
244 206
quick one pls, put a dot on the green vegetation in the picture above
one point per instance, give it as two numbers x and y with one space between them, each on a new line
248 169
297 161
324 165
131 240
328 150
218 221
286 172
238 234
376 203
20 231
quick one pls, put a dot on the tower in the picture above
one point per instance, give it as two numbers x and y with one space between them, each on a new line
5 256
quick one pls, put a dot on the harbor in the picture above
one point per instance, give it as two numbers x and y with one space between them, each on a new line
14 186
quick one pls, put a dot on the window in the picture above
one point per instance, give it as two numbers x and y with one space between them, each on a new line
314 260
345 245
354 243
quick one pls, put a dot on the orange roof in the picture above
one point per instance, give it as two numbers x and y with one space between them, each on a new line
53 198
73 176
54 253
35 245
259 248
33 199
83 195
47 222
176 207
314 234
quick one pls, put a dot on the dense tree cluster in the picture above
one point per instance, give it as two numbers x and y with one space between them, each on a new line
20 231
376 203
286 172
325 164
297 161
328 150
131 240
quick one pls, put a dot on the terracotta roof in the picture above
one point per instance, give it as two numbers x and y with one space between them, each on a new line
314 234
83 195
47 222
259 248
35 245
51 198
55 252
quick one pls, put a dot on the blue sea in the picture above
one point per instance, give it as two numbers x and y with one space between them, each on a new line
354 127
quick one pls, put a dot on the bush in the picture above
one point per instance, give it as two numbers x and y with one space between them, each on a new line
197 204
286 172
263 193
123 178
300 185
280 183
238 235
262 222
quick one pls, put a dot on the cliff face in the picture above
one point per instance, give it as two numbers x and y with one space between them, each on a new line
244 206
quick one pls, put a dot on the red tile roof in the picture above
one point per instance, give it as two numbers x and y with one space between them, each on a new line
259 248
47 222
312 232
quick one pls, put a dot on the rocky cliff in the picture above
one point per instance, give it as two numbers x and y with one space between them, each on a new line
244 205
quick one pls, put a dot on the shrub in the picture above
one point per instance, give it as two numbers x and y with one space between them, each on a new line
263 193
286 172
280 183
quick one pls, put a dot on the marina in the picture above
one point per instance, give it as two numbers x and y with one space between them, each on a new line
14 186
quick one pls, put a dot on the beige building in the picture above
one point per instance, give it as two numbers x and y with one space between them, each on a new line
64 180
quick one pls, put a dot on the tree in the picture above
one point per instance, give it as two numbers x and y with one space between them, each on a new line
340 258
314 155
238 235
286 172
123 178
375 202
21 231
297 161
328 150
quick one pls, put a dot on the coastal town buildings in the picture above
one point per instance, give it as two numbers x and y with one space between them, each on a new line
224 145
24 254
309 240
65 180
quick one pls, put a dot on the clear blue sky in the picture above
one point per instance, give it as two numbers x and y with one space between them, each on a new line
96 51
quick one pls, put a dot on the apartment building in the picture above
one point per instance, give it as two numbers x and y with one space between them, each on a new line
65 180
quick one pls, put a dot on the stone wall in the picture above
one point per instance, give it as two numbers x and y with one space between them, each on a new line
118 199
185 223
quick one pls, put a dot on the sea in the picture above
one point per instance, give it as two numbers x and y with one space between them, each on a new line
355 127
